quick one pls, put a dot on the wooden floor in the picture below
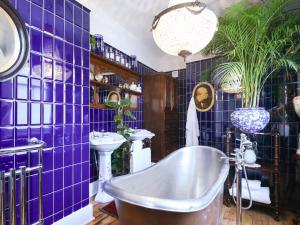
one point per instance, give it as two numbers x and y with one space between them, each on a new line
250 217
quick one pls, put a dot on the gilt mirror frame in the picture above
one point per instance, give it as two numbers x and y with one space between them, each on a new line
14 41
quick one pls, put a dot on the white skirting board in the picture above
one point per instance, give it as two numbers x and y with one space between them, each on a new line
93 189
81 216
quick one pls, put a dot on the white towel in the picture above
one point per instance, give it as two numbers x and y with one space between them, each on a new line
261 195
253 184
192 126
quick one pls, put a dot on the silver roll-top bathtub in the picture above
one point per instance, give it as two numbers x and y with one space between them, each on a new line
186 181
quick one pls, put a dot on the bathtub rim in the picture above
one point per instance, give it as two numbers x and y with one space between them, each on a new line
171 205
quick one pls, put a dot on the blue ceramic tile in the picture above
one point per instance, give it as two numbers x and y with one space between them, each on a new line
6 162
69 114
49 5
77 155
77 95
59 215
23 7
69 11
58 71
22 87
77 35
48 91
68 134
59 49
69 32
77 114
48 202
85 171
59 8
48 22
77 193
77 134
47 182
21 158
48 45
85 77
48 68
77 56
86 20
7 89
69 93
36 40
86 40
58 136
78 16
21 113
69 73
21 137
58 157
36 15
86 59
59 92
35 132
58 204
85 115
38 2
47 160
47 135
85 190
78 75
35 115
59 27
35 89
59 119
36 65
86 96
68 176
69 53
48 114
33 208
58 179
68 197
85 153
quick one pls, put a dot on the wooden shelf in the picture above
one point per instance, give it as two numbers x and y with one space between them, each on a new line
98 106
114 88
102 63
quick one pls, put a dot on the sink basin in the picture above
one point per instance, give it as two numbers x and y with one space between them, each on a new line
140 134
106 141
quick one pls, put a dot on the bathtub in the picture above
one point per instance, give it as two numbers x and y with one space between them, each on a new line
185 188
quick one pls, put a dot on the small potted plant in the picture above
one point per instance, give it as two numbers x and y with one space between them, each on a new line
257 41
120 155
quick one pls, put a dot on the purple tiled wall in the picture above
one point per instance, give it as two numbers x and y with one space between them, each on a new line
49 100
102 119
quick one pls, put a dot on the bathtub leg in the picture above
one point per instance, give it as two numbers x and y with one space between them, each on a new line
104 175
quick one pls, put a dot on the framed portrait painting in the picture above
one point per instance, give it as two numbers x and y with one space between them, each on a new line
204 96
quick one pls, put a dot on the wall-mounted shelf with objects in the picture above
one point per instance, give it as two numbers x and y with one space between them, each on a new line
107 76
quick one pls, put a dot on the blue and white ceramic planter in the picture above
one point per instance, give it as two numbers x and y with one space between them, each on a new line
250 120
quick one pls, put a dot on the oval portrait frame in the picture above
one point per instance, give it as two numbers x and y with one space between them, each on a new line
211 96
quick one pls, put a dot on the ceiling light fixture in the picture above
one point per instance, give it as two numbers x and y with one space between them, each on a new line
184 28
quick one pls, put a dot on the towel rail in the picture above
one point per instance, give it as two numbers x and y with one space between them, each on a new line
34 144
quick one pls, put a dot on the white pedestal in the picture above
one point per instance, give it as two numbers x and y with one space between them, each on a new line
104 175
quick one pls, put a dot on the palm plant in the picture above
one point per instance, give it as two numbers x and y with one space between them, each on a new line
256 40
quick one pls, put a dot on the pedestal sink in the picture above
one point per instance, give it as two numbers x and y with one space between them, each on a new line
140 134
104 143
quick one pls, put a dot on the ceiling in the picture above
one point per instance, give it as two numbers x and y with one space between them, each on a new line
126 24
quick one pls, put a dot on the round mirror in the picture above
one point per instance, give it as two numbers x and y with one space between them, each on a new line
14 44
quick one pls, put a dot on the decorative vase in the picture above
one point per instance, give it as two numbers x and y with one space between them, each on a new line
250 120
296 103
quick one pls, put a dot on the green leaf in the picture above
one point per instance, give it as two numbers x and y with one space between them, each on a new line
129 114
111 104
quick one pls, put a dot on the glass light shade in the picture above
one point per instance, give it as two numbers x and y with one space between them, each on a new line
181 30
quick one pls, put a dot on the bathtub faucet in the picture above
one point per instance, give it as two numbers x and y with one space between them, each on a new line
237 181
